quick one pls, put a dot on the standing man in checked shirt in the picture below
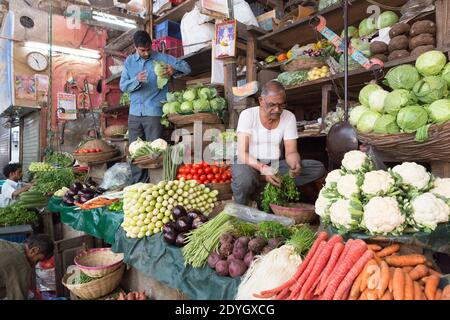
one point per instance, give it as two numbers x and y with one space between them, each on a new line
139 79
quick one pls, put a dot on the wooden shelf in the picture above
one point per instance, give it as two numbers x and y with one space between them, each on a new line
178 12
115 108
113 78
301 32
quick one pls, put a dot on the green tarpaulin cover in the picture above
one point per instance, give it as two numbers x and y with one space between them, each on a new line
156 259
100 223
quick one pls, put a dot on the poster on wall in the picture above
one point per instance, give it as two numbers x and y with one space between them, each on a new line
25 87
67 106
42 81
215 8
225 41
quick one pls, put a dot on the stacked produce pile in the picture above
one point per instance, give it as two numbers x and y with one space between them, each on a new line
419 98
147 207
141 148
40 167
391 276
59 159
193 100
405 199
80 193
283 195
16 214
205 173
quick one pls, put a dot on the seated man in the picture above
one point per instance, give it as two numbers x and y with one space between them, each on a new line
260 131
17 263
12 187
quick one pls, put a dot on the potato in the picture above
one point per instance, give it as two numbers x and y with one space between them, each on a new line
421 49
424 26
423 39
381 57
399 29
398 54
377 47
398 43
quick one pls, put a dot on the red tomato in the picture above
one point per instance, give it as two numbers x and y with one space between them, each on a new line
205 164
181 170
189 177
202 178
187 167
195 177
179 176
210 176
208 170
214 181
206 181
228 175
197 166
193 171
215 170
217 176
200 172
224 176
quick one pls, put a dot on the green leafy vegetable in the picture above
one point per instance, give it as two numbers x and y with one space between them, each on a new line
15 214
51 181
292 78
411 118
116 206
59 158
365 93
272 229
422 133
398 99
430 89
404 76
302 238
288 192
386 19
439 111
386 124
431 63
367 121
356 113
160 68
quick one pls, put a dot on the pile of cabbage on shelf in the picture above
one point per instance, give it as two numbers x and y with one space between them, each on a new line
140 148
193 100
419 98
404 199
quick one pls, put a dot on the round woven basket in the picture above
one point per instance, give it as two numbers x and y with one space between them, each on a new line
148 162
97 143
300 212
115 131
95 156
402 146
95 288
99 262
303 63
204 117
224 189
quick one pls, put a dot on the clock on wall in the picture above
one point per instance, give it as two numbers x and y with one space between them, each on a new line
37 61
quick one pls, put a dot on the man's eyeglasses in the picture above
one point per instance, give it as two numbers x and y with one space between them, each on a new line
273 106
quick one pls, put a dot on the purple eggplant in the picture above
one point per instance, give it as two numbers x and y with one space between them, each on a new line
178 212
181 240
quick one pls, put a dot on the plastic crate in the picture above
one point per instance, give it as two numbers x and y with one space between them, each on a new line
15 233
168 28
168 45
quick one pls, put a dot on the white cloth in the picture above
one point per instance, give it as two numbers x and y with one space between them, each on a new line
8 189
265 143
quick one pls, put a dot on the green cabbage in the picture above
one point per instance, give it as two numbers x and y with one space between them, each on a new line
431 63
367 27
352 32
404 76
201 105
218 104
362 46
386 19
190 94
376 100
205 93
446 74
171 107
430 89
160 68
367 121
439 111
356 113
411 118
366 91
186 107
386 124
398 99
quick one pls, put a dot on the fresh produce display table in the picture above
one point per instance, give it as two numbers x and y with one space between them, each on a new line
154 258
100 223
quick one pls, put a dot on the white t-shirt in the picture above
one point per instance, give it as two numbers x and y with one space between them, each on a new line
8 189
265 143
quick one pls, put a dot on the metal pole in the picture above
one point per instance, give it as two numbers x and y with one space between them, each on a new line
346 60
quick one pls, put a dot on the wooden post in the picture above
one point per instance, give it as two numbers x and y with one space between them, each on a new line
250 58
230 81
149 22
440 169
442 23
326 93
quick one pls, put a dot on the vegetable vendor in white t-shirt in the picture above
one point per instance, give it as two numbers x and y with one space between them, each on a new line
260 131
13 187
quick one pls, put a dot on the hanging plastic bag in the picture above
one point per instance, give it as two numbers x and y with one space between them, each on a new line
117 176
254 215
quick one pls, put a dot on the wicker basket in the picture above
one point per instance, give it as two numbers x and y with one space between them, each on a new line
204 117
95 288
148 162
303 63
300 212
95 156
224 189
97 143
402 146
97 263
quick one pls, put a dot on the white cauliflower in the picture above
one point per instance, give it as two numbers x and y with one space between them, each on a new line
356 161
333 176
377 182
159 144
135 145
442 187
413 174
428 210
348 185
344 216
382 215
322 204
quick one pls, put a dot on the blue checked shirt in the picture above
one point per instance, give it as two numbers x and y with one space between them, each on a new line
146 97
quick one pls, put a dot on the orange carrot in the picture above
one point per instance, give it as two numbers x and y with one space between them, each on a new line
438 295
391 278
418 272
431 286
374 247
388 250
387 296
409 287
368 270
407 269
372 295
407 260
334 258
384 278
398 284
418 292
354 291
446 292
363 295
